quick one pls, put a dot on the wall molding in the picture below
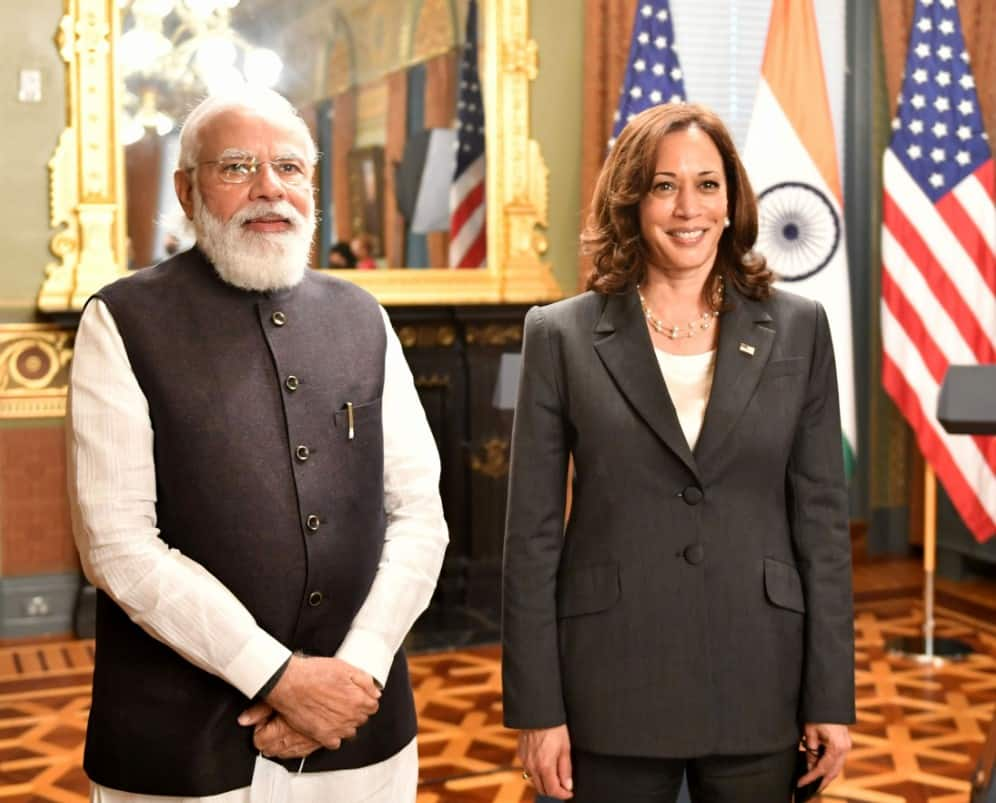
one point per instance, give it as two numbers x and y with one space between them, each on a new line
34 370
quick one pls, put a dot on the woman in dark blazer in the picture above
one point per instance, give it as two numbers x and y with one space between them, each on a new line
695 614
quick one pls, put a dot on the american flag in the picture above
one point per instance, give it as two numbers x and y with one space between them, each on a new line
468 240
653 73
939 254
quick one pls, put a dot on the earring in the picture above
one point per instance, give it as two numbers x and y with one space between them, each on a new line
726 223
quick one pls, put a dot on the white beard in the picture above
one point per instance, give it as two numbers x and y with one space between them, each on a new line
255 260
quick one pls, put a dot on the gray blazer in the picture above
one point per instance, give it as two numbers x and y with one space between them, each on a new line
698 602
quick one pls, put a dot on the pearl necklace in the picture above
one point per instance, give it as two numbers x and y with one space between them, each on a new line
700 324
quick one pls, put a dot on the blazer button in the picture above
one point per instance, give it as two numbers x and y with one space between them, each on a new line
692 495
695 554
312 523
302 452
278 318
292 383
315 599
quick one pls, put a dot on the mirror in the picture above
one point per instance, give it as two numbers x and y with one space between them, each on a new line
88 169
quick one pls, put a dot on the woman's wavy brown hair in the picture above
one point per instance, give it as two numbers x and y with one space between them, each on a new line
612 233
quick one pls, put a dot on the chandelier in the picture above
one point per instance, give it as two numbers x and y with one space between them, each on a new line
173 52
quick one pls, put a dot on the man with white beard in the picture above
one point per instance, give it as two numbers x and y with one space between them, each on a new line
255 496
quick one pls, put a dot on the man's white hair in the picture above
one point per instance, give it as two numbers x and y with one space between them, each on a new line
263 102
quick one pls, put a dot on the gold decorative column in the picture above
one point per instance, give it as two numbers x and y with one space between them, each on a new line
86 172
517 184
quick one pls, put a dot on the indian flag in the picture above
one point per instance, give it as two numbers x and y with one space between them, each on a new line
791 157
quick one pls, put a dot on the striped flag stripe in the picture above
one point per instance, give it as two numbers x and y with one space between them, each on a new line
974 199
933 442
915 392
933 446
475 254
904 281
463 242
947 253
901 346
944 287
467 180
900 306
467 206
978 206
929 346
975 469
986 174
959 221
912 301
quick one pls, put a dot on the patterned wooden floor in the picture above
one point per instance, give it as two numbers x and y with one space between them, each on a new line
919 732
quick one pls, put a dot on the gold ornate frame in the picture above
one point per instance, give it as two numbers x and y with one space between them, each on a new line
86 180
87 187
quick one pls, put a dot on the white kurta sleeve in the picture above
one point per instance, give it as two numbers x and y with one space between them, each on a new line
112 489
416 535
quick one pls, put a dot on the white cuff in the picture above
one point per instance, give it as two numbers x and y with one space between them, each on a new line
366 650
255 663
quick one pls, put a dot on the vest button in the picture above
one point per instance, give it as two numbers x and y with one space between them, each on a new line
278 318
315 599
302 452
292 383
694 553
313 523
692 495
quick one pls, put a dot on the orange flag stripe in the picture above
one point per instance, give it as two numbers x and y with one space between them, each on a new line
793 69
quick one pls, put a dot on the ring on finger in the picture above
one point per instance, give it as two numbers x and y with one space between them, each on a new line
526 776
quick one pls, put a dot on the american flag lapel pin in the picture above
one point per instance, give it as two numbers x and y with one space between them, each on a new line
747 349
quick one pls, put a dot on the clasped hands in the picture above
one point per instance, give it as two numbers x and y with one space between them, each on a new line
318 702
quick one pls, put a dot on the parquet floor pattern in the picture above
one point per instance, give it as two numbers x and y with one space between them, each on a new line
920 728
919 733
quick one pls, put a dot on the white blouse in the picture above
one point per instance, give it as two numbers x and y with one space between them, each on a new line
689 380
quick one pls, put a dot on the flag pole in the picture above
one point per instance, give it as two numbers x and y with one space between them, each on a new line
929 555
929 649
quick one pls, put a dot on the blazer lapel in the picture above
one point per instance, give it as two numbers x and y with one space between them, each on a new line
623 344
746 335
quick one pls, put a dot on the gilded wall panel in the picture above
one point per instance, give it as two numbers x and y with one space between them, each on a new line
34 371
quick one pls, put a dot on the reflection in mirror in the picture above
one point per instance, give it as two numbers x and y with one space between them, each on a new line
390 89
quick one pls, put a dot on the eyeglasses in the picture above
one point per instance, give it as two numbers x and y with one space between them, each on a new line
292 172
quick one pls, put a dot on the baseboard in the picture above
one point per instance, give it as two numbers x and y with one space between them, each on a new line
38 605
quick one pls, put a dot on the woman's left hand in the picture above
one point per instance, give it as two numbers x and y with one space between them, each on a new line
836 740
546 761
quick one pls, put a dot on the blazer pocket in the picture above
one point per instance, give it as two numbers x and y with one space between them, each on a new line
783 585
790 365
588 589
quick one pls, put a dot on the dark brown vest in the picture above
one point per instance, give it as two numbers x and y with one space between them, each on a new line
257 480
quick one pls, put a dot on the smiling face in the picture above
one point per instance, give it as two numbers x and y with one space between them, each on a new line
682 216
